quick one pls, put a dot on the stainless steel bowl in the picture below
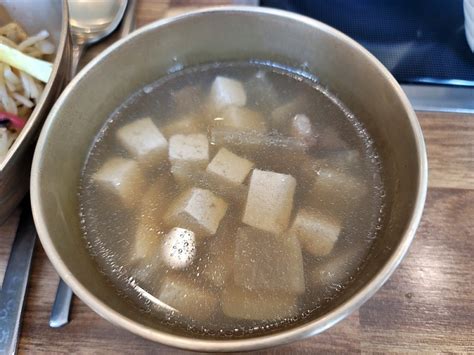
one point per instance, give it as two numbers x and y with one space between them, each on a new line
350 72
34 16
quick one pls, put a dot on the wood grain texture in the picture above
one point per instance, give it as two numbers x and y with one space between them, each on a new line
426 306
450 146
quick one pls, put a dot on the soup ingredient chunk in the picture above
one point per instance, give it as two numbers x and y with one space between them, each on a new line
240 303
184 99
146 245
184 125
229 167
226 92
335 269
261 89
188 152
302 129
217 267
148 233
241 119
282 115
263 261
335 191
143 140
188 299
252 142
269 201
123 178
316 231
346 161
178 248
198 210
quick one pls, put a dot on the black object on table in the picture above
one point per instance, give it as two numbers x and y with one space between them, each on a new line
419 41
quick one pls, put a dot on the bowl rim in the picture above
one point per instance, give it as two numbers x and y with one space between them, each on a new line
285 336
35 117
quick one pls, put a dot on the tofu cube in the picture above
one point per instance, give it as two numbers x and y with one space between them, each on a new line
316 231
263 261
229 167
269 201
226 92
143 140
183 125
123 178
240 119
178 248
188 152
197 210
240 303
181 295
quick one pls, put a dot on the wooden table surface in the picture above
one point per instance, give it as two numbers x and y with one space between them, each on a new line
427 305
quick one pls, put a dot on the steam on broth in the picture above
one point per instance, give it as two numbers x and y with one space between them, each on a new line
231 198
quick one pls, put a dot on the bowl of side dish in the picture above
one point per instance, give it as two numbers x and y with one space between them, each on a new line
229 179
34 47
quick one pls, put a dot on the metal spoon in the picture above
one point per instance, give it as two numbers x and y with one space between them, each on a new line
90 21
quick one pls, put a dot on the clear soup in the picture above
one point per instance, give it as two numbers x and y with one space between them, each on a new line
231 198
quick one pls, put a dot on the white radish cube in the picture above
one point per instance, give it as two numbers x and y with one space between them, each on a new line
269 201
143 140
229 167
316 231
197 210
190 150
240 303
240 119
217 268
148 235
178 248
336 269
334 190
225 92
183 125
346 161
146 246
181 295
263 261
122 177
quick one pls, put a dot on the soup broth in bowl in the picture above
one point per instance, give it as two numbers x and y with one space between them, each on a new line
231 198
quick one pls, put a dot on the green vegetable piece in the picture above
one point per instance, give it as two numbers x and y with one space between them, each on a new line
37 68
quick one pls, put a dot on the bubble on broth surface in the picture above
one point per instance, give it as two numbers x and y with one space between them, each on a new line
193 290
